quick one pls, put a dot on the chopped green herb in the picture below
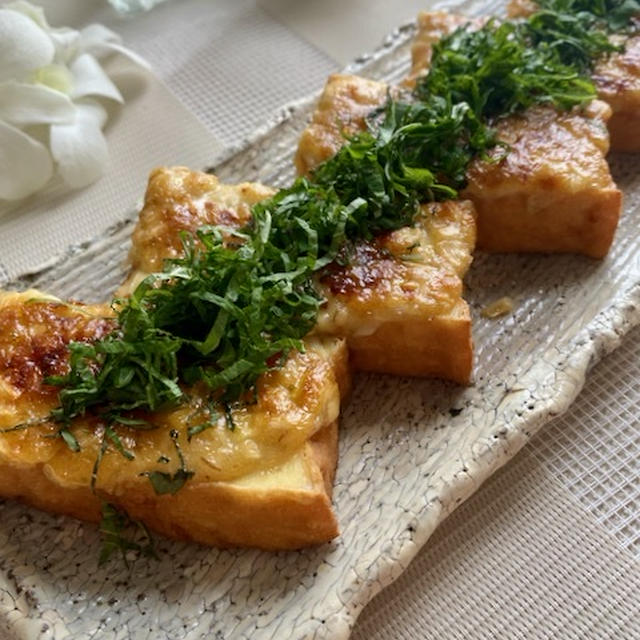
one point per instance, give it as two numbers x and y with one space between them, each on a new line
114 526
497 70
117 443
164 482
613 16
69 439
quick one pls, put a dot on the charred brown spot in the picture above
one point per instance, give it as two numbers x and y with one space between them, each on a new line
366 266
225 217
34 339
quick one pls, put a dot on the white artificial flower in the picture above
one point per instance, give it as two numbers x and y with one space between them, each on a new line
51 88
130 6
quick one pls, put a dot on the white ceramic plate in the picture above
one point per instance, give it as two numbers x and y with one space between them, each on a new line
410 450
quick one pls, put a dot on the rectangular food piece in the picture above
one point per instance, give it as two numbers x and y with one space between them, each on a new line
398 303
617 80
266 484
553 191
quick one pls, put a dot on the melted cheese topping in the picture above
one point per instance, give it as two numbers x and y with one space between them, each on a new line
293 404
343 105
617 77
341 111
547 150
412 273
178 200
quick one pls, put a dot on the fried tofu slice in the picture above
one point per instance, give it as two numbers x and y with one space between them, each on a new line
553 191
398 303
266 484
617 80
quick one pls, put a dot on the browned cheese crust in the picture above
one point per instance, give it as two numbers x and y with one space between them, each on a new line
553 191
265 484
617 79
341 112
179 201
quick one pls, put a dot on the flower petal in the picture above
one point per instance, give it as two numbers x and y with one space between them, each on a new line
22 103
25 164
64 39
128 53
79 148
91 80
100 41
31 11
93 36
24 46
66 42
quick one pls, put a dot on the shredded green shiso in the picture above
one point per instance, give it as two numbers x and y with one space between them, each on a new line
239 301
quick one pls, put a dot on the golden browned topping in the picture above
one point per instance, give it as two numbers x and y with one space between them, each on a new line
367 265
34 335
556 150
178 200
292 404
343 106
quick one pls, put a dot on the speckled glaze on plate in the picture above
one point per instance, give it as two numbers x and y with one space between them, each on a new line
410 450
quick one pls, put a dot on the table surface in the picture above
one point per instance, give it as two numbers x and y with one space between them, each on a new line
549 547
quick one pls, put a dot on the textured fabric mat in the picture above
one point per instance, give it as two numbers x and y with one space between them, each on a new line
549 547
594 450
519 560
230 62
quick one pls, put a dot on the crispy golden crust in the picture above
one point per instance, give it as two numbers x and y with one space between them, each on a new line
617 79
282 450
35 330
287 507
292 509
553 191
183 200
